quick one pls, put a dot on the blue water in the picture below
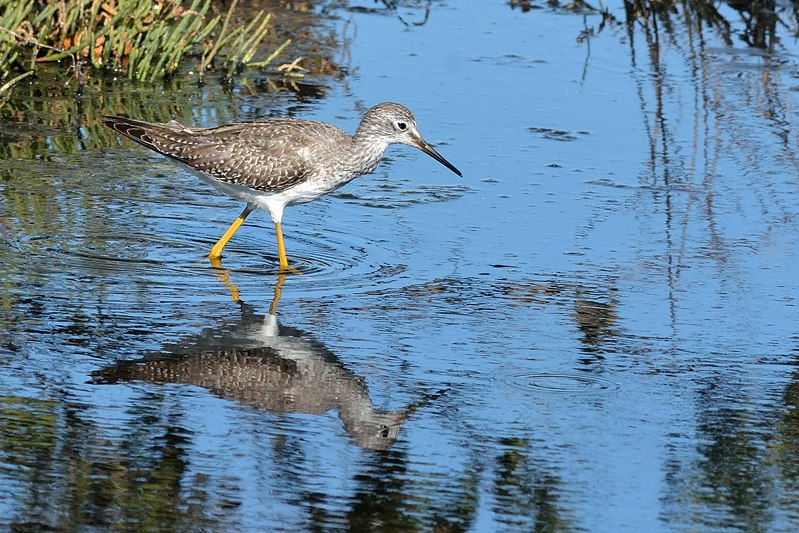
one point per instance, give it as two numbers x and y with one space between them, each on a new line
594 329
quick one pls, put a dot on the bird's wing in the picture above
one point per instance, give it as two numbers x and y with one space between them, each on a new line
268 156
265 156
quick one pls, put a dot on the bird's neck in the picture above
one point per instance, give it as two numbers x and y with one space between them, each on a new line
366 152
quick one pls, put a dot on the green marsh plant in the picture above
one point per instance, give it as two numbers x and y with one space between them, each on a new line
143 39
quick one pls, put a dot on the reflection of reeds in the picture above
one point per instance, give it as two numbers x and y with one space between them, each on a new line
761 19
141 38
41 120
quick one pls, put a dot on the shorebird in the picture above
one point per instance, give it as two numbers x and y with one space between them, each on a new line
279 162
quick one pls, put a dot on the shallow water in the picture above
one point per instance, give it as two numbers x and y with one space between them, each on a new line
594 329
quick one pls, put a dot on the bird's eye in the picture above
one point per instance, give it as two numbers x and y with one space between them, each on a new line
402 126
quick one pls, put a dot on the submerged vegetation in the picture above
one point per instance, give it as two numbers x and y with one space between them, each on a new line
141 39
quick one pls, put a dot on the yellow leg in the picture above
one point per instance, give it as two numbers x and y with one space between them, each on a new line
281 248
216 251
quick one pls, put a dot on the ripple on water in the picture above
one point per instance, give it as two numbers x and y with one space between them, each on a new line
117 252
392 195
556 383
161 233
326 264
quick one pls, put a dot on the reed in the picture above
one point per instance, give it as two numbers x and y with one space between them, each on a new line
142 39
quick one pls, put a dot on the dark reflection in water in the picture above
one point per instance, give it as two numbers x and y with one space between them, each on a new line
786 445
258 362
742 473
592 307
77 477
528 493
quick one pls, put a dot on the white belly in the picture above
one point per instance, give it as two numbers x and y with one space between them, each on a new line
274 203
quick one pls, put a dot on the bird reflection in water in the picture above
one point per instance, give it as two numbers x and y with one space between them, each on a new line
258 362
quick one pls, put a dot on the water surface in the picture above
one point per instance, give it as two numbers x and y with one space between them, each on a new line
593 330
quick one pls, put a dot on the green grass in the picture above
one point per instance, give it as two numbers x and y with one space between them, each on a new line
142 39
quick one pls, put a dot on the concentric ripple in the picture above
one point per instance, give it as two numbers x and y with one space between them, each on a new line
132 229
556 383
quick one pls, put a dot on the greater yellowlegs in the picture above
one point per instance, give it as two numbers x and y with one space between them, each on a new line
279 162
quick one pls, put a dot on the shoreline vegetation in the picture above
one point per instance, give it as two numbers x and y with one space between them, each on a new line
142 40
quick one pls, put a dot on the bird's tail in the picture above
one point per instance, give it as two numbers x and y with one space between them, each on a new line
144 133
141 132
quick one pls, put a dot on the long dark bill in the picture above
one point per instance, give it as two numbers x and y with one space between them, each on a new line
425 147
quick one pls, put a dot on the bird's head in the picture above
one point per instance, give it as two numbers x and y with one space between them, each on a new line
392 123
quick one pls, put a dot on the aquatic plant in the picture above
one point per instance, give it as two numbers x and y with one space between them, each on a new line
143 39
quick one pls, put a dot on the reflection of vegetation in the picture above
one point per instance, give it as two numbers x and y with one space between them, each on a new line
389 496
526 499
594 309
144 39
733 475
711 83
28 431
79 478
727 483
760 18
744 473
381 496
784 452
